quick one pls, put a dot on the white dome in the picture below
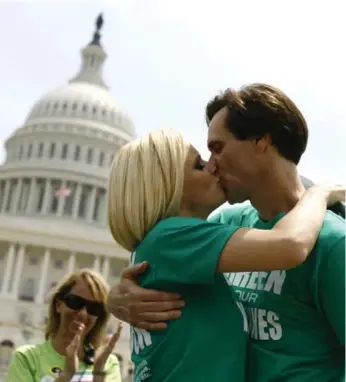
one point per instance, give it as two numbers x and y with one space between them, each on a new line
86 96
84 101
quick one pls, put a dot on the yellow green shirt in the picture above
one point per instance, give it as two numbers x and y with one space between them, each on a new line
41 363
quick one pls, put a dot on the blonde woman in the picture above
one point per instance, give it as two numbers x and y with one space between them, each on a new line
75 349
160 194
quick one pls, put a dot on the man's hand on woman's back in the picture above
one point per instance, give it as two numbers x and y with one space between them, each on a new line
142 308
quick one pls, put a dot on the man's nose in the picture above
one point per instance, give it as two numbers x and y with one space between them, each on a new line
211 166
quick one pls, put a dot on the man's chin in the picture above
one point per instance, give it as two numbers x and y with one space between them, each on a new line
221 203
236 199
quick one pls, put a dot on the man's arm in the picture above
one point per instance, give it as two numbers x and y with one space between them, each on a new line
143 308
288 243
134 313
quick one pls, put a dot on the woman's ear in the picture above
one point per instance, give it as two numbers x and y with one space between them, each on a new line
57 305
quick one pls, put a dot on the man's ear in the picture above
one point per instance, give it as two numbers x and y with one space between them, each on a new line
262 144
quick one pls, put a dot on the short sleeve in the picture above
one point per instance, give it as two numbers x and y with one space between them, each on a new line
19 369
113 369
331 286
187 250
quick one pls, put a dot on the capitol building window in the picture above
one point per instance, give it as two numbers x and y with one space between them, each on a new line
40 150
6 348
64 151
77 153
52 150
48 151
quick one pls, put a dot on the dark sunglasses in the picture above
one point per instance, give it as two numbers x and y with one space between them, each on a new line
74 302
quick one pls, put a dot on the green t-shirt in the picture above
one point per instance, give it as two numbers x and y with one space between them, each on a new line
41 363
208 342
296 317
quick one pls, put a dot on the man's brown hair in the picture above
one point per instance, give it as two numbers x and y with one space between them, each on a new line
257 110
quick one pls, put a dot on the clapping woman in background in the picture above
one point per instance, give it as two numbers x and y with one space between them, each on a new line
75 348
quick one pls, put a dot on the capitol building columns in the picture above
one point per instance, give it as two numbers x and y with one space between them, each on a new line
31 197
46 197
5 194
45 265
18 270
71 265
105 268
91 204
9 261
96 265
16 196
76 201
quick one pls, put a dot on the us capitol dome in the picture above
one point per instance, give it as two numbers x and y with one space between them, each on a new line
53 200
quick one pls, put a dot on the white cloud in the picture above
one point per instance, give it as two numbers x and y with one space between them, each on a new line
289 43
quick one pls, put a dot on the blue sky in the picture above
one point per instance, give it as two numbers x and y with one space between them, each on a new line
167 58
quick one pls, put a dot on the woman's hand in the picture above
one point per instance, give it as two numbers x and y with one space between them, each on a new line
71 357
105 350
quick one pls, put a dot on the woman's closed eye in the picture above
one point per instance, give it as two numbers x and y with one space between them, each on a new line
199 164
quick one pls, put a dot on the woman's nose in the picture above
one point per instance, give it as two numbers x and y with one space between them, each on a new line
82 312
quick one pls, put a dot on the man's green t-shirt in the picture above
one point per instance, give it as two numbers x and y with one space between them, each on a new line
296 317
208 342
41 363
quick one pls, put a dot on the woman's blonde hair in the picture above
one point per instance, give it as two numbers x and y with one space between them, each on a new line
145 185
99 290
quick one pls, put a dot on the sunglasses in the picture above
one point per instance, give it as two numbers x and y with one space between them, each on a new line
93 308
